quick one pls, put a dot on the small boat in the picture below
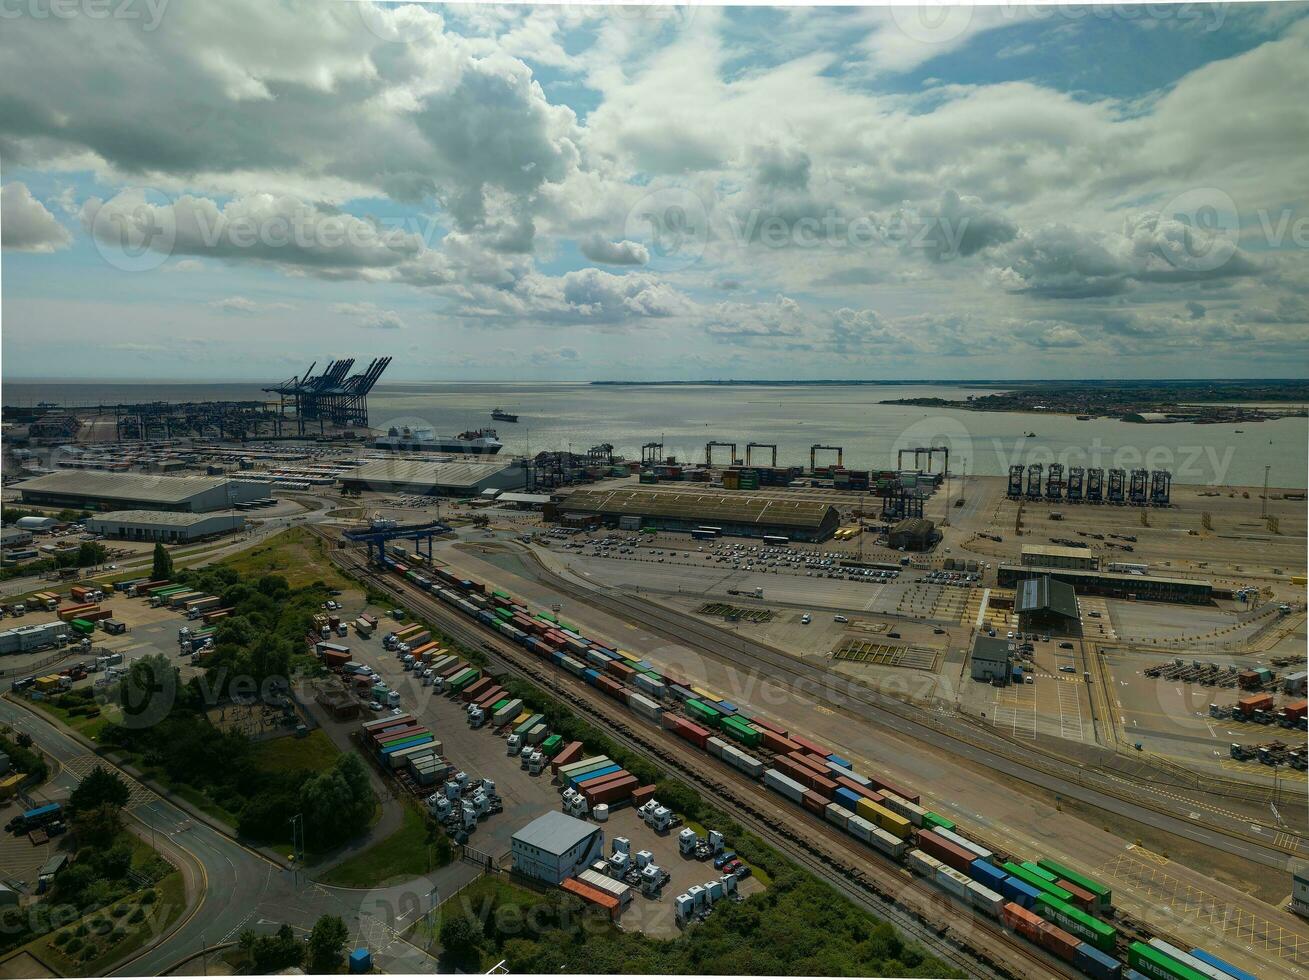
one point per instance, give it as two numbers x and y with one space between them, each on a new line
1031 435
500 415
1084 418
1239 431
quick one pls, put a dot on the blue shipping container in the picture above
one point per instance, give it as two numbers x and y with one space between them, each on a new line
1217 964
589 675
988 874
843 763
728 706
588 776
847 798
1095 964
1019 891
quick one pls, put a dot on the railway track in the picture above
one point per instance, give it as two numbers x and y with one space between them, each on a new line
877 709
888 891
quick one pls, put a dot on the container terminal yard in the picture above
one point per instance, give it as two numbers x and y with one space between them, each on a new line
1042 732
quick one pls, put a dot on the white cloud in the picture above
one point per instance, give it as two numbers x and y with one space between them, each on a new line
25 223
599 249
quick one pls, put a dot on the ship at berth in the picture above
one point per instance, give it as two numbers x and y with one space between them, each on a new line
478 442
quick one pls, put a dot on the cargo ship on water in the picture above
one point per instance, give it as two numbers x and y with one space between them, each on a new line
478 442
500 415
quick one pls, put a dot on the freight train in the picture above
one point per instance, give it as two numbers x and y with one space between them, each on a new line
1048 903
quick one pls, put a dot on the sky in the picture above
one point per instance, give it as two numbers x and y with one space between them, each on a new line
200 190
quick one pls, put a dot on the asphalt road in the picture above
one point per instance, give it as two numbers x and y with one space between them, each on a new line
244 890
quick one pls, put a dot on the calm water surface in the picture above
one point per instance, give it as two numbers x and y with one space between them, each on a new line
684 418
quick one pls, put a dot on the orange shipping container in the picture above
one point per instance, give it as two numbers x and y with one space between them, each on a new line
1026 924
593 895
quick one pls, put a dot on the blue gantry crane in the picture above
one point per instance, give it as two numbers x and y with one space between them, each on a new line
379 532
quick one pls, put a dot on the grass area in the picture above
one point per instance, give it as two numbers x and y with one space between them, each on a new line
295 554
108 935
758 873
88 727
315 752
405 853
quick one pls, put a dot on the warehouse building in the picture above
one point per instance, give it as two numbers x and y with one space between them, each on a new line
556 846
992 660
163 525
442 477
1053 556
740 514
912 534
35 524
1114 585
1046 603
523 501
14 537
86 490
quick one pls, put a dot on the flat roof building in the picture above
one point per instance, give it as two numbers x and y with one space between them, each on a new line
90 490
162 525
744 514
1054 556
1117 586
448 477
556 846
15 537
991 660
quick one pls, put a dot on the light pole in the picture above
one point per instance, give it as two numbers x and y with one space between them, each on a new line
1264 509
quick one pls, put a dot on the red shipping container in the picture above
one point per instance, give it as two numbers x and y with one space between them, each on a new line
572 752
591 894
809 746
608 777
473 690
1020 920
643 795
1255 702
946 852
691 732
789 767
905 794
824 786
816 762
1083 899
619 789
96 615
1296 709
777 743
490 697
765 725
609 685
813 802
1057 941
800 759
864 791
455 668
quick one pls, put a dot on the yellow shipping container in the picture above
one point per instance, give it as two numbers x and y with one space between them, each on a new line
48 683
522 718
1299 580
9 785
892 823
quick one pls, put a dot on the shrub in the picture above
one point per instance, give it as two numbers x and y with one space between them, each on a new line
137 915
149 898
117 935
82 929
120 911
73 945
62 937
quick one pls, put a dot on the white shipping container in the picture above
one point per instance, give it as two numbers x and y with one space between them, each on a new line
508 713
748 764
785 785
888 844
607 885
983 898
923 863
963 842
838 815
849 774
861 828
649 685
952 881
646 708
715 746
910 811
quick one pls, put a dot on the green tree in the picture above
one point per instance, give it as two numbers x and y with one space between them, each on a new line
268 954
98 825
461 941
101 786
163 563
90 554
337 803
327 944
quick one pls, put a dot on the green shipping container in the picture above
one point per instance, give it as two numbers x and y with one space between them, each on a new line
552 744
528 725
1104 897
503 613
83 626
743 733
464 679
1039 883
1039 871
703 713
499 704
933 820
1074 920
1147 960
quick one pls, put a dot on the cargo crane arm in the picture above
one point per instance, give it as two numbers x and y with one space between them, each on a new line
709 451
760 445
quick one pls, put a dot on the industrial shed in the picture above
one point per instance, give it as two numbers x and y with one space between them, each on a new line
162 525
992 660
912 534
741 514
1046 602
83 489
436 477
1119 586
1055 556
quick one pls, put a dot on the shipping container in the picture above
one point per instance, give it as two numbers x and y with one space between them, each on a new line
1151 962
933 821
1103 895
945 851
1022 921
1096 964
781 783
1037 882
1066 916
1234 972
1189 961
892 823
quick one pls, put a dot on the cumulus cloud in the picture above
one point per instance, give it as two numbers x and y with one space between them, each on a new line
244 306
25 223
597 248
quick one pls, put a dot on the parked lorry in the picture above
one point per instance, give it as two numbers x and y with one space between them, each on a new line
198 607
37 817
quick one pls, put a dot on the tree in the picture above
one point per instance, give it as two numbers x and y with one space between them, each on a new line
1207 521
98 825
461 941
327 943
268 954
100 787
163 563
